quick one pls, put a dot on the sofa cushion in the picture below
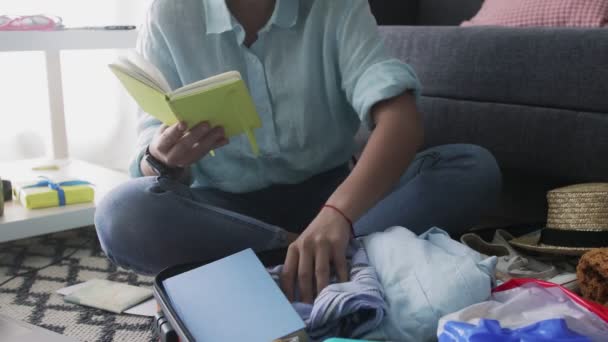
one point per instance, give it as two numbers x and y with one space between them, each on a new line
523 13
536 97
558 68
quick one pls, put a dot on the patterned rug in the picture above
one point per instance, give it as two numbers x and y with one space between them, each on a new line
31 297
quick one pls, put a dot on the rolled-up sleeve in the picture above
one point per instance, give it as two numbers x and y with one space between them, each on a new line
152 45
369 75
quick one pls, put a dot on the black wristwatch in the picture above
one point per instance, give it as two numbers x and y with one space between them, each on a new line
160 168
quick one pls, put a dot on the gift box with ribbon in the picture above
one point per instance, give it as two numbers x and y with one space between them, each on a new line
46 193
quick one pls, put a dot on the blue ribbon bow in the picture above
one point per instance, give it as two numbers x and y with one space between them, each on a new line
57 187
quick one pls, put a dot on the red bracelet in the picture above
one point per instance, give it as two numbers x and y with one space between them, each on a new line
350 222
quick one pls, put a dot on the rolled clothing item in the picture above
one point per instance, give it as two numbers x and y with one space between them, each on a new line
351 309
592 274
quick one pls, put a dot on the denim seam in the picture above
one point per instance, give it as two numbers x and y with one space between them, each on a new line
234 217
434 155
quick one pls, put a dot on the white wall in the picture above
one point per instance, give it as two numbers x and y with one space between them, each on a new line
100 116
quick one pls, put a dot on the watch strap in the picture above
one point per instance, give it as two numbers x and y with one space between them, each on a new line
159 167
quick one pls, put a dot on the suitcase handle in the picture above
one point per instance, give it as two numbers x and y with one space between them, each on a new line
164 329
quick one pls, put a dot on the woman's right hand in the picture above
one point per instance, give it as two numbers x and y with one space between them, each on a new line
176 146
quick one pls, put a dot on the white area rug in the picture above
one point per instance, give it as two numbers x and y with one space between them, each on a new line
32 298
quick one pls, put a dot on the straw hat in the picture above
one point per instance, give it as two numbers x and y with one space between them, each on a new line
577 221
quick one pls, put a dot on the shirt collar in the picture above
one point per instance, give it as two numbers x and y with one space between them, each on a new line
286 13
219 19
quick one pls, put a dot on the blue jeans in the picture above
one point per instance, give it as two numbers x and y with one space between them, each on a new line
150 223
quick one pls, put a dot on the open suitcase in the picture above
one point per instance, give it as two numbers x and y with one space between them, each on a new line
167 324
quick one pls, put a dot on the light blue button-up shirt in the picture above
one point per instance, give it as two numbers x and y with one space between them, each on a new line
315 71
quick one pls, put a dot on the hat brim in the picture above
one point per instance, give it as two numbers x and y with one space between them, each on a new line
531 242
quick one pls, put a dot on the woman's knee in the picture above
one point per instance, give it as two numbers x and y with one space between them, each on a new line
121 218
484 172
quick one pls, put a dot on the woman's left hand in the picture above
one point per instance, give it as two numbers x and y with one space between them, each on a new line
310 257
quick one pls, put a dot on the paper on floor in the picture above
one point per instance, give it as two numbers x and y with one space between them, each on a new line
147 308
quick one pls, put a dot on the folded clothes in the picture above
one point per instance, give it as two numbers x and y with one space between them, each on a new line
401 284
510 262
514 264
349 309
592 273
425 277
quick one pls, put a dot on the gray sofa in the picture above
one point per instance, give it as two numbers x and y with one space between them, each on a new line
536 97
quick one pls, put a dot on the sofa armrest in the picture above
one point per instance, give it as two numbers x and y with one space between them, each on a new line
536 97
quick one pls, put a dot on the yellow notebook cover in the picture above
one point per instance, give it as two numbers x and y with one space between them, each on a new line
227 104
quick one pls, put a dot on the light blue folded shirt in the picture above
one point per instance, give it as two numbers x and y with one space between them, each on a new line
424 278
314 73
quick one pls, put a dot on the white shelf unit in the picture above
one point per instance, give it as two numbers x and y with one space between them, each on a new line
17 221
52 43
67 40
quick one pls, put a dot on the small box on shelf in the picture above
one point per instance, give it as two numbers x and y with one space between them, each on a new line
21 222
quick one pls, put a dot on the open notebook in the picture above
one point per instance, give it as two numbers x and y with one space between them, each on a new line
222 100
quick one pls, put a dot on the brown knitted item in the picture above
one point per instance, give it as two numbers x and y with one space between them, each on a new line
592 274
